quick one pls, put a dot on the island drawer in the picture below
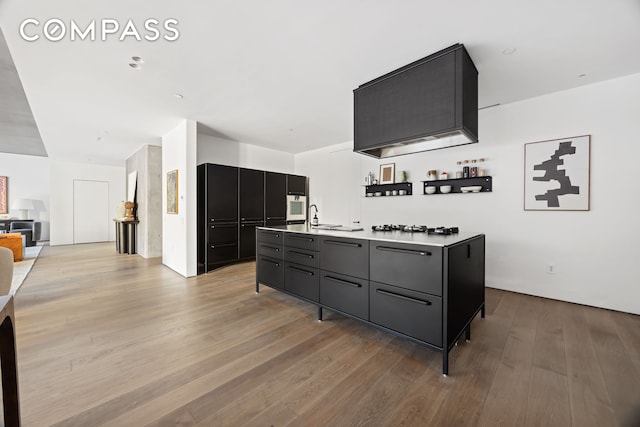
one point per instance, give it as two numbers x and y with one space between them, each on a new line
269 236
302 281
345 256
345 293
270 271
413 267
408 312
270 250
301 256
301 241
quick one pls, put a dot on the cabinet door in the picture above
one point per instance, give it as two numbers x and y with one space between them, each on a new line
251 195
414 267
270 271
345 293
248 239
302 281
411 313
275 200
222 193
345 256
297 185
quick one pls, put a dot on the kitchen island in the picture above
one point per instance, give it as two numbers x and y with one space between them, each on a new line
424 287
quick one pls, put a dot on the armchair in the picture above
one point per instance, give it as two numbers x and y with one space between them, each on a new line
30 229
6 270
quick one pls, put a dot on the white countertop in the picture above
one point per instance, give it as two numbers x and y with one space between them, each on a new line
385 236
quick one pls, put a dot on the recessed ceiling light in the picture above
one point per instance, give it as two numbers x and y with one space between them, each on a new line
137 59
99 138
179 95
582 75
135 66
509 51
290 129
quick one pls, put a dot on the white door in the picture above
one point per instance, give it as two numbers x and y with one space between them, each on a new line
90 211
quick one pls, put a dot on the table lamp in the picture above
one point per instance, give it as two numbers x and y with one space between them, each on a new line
22 206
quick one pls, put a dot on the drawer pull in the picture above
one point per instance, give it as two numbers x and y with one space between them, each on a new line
271 233
277 264
224 219
403 251
308 239
343 282
224 226
271 247
335 242
391 294
301 254
223 245
252 219
275 217
308 273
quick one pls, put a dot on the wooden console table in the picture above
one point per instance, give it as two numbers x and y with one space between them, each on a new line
126 236
10 396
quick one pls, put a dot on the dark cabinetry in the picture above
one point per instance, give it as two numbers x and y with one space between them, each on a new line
217 214
232 202
251 202
296 185
275 204
428 293
270 261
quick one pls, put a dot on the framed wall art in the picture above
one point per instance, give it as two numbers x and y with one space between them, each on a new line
387 173
172 192
556 174
4 209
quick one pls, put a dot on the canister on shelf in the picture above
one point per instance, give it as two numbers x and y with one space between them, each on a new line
482 171
465 169
473 171
459 169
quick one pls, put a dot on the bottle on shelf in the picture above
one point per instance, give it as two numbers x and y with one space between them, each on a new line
458 169
473 170
482 171
465 169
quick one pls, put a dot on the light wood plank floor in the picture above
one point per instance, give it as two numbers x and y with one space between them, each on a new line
108 339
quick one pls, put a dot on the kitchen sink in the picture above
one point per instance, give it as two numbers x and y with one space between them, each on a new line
335 227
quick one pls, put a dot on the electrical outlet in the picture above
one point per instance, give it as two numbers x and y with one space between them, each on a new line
551 269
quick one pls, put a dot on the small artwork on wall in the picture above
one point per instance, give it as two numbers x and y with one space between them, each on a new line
4 209
387 173
172 192
556 174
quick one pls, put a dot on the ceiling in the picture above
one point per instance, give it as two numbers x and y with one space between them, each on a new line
280 73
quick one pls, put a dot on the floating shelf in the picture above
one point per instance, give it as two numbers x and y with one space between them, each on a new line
382 188
486 182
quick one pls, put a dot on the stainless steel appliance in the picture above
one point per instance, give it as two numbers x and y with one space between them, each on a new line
296 208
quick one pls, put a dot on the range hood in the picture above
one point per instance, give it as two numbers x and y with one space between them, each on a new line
429 104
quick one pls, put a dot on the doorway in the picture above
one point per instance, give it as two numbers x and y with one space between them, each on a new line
90 211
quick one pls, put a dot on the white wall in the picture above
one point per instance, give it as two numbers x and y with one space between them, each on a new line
28 178
147 162
61 179
179 240
594 253
225 152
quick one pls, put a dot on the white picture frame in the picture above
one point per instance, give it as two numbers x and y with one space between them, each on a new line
556 174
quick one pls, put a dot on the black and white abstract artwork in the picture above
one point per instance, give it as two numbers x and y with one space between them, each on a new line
556 174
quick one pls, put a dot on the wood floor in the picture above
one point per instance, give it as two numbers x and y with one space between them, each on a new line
108 339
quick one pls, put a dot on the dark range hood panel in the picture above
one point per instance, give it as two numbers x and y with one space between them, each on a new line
427 105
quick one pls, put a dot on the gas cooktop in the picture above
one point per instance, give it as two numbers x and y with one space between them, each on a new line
415 229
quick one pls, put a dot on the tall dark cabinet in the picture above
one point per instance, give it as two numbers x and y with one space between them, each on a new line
275 204
297 185
217 216
251 209
232 202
